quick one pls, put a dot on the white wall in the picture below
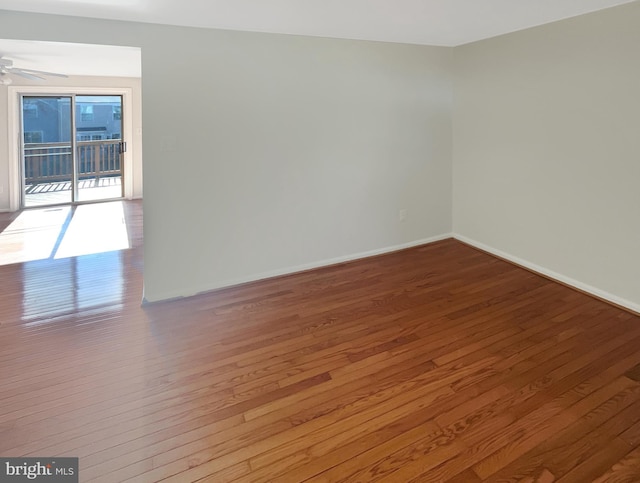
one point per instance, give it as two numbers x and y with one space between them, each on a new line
266 153
547 149
135 145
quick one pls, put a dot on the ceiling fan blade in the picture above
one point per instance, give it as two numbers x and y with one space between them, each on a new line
26 75
35 72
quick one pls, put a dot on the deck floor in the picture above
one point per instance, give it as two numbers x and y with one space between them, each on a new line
44 194
437 363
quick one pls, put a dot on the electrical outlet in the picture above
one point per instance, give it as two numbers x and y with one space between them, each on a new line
402 215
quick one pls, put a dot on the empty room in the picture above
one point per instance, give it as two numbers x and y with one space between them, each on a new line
392 241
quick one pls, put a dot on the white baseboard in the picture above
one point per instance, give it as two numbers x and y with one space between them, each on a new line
191 291
551 274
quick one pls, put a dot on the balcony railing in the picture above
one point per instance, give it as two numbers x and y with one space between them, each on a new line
51 162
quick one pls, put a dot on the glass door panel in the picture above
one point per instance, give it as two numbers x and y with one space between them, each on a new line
48 171
99 147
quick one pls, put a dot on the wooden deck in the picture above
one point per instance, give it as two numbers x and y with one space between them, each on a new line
55 193
439 363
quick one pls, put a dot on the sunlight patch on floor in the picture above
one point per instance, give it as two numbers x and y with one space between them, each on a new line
62 232
93 229
32 235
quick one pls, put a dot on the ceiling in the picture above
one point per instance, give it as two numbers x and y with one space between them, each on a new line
428 22
73 59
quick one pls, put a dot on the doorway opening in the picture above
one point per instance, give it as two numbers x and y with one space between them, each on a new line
97 114
72 149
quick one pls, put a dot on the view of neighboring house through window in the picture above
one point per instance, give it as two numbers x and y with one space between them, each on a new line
86 112
97 118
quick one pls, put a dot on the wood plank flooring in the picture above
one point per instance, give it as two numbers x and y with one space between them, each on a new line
438 363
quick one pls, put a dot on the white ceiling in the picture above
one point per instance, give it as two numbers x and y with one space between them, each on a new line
73 59
430 22
427 22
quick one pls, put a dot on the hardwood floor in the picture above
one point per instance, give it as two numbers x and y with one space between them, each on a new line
439 363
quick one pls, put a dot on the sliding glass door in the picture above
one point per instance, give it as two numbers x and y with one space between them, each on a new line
98 124
47 127
72 149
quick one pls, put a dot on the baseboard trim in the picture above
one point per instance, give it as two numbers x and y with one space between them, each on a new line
191 291
555 276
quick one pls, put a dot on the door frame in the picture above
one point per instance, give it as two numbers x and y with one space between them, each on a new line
15 132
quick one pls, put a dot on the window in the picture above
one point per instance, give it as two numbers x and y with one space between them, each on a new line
86 112
31 137
117 113
116 136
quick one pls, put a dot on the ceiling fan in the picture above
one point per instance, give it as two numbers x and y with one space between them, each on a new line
7 69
